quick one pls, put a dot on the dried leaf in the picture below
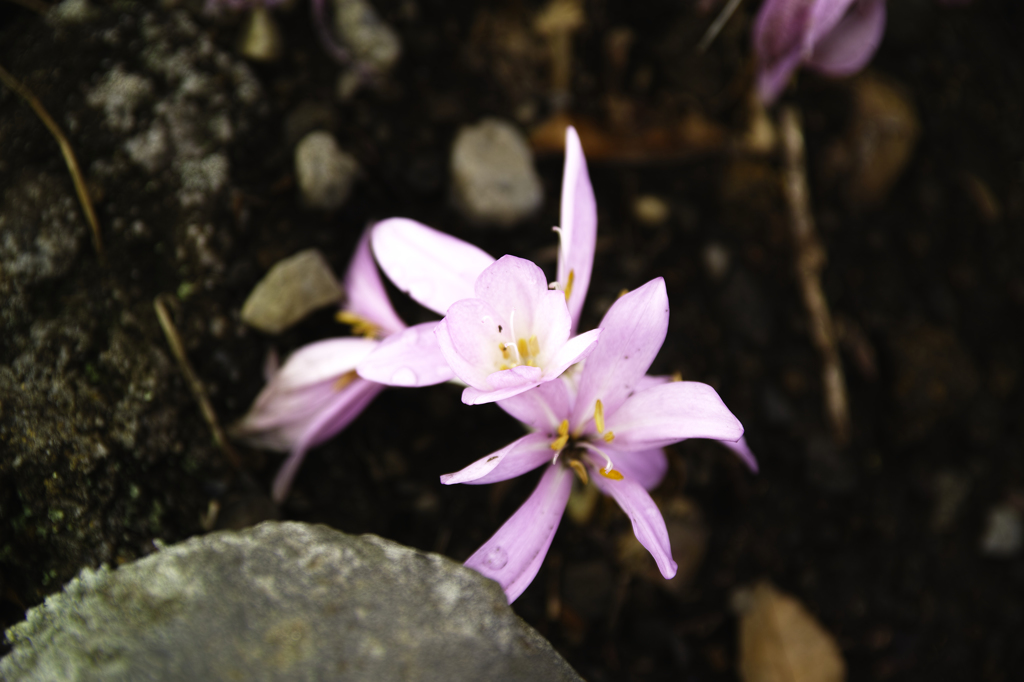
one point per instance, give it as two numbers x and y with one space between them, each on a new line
780 641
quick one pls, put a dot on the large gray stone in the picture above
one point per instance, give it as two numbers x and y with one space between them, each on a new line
493 178
281 601
292 289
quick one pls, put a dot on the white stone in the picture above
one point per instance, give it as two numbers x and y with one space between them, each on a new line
650 210
324 172
493 178
1004 532
293 288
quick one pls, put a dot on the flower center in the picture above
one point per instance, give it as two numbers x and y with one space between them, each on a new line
360 325
522 352
575 449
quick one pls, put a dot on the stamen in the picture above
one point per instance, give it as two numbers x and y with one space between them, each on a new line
609 470
563 436
360 325
611 473
534 345
504 350
568 284
677 376
623 293
522 348
344 380
608 437
599 416
580 470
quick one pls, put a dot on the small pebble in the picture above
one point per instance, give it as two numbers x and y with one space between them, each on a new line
374 44
294 287
716 260
650 210
260 39
1004 532
324 172
493 177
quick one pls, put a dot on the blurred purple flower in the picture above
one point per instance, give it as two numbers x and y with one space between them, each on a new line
608 424
317 392
834 37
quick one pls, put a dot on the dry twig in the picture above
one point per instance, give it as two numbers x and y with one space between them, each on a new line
717 25
65 149
194 383
810 261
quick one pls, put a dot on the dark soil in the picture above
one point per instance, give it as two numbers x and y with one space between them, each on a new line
929 279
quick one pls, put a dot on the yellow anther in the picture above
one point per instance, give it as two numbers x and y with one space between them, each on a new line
677 376
623 293
523 350
504 350
608 437
563 436
360 325
611 473
568 284
599 416
344 380
580 470
533 345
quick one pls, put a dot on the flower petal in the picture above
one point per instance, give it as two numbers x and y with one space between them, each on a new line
576 349
365 293
648 524
779 29
578 231
515 552
670 413
632 332
822 18
646 467
408 358
515 459
470 338
504 384
322 361
743 451
346 406
852 43
434 268
543 407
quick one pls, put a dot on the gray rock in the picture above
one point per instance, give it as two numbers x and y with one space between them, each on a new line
374 45
493 178
294 287
1004 532
281 601
260 39
324 172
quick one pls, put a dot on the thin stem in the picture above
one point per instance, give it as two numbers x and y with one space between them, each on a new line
195 384
717 25
810 261
65 149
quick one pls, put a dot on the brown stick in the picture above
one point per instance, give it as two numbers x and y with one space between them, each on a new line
810 261
194 383
65 149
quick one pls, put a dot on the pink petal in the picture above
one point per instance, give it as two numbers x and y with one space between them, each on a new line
543 407
407 358
824 16
434 268
515 552
779 29
773 78
648 524
852 43
646 467
578 231
515 459
576 349
504 384
322 361
648 380
470 338
632 332
670 413
743 451
365 291
347 405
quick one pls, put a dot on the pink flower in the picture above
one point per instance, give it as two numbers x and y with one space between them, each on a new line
834 37
606 424
505 331
317 392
